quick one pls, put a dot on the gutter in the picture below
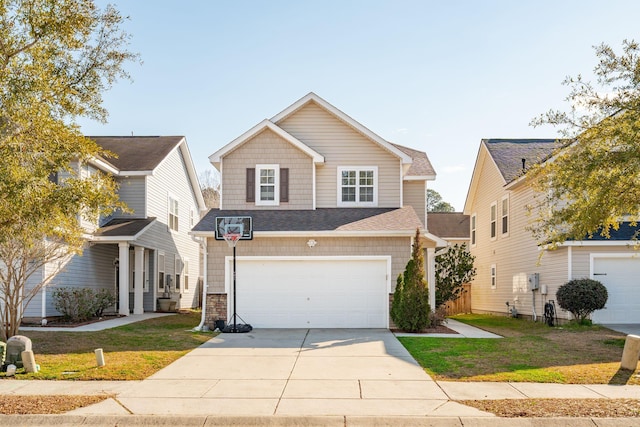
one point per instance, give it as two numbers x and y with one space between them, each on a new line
203 243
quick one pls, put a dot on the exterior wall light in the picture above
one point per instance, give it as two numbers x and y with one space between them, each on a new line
311 243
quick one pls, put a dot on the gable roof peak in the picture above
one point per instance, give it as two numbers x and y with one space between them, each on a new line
312 97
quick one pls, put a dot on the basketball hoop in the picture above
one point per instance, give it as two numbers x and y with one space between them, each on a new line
231 239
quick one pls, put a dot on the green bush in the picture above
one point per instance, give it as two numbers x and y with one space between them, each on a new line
410 307
81 304
581 297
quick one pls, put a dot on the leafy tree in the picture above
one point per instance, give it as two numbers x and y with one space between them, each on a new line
454 268
436 204
410 307
56 59
591 184
581 297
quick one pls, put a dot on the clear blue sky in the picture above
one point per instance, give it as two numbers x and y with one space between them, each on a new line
433 75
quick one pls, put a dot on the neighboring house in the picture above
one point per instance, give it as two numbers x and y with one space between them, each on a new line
334 209
150 244
507 254
452 227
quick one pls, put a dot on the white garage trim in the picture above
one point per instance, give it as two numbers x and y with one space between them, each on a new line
593 256
382 261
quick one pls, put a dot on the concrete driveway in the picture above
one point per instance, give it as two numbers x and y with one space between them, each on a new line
290 372
628 328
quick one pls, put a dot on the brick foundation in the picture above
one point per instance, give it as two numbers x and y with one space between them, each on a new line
216 308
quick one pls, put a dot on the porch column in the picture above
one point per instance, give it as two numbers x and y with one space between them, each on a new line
431 274
138 294
123 259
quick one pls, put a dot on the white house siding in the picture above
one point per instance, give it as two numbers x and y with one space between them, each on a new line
132 192
398 247
267 148
172 174
515 255
414 194
341 145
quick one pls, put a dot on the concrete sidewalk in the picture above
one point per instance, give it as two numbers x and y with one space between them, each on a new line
98 326
300 377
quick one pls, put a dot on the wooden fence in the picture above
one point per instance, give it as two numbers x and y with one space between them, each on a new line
462 304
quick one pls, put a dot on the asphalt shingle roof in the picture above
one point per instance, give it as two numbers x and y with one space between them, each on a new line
137 153
123 227
508 154
421 165
448 224
326 219
626 232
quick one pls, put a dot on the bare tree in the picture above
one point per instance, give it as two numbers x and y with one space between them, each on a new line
210 187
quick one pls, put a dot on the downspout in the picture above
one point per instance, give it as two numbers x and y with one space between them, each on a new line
203 243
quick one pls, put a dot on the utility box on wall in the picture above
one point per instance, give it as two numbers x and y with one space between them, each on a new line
534 281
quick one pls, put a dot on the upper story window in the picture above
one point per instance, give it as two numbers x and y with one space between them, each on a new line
358 186
504 214
267 185
173 213
494 220
473 229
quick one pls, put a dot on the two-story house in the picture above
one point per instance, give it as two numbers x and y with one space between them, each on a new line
149 244
508 257
334 209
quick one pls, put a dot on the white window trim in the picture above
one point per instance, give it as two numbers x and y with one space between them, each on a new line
185 275
276 190
494 208
177 282
494 276
161 269
502 215
171 197
473 223
357 169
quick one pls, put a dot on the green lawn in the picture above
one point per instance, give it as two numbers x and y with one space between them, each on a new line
529 352
131 352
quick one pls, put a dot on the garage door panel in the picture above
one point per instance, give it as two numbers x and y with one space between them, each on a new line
621 277
308 292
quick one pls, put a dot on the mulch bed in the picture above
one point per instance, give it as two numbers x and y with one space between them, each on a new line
59 322
441 329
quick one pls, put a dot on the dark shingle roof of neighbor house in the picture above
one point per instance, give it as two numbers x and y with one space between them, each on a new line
421 165
137 153
448 225
123 227
626 232
324 219
508 154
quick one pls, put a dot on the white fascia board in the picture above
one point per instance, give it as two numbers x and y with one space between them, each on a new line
193 176
216 157
135 173
420 178
406 159
104 165
439 241
590 243
328 233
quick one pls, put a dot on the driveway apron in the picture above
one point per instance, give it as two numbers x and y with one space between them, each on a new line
290 372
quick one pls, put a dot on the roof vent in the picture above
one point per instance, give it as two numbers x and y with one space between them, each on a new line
524 161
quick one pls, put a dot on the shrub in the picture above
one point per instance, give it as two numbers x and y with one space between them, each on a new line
410 308
454 268
104 299
581 297
80 304
438 316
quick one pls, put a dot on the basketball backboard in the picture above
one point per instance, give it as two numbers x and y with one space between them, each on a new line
234 224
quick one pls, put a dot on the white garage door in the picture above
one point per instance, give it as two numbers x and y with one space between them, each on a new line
621 276
311 292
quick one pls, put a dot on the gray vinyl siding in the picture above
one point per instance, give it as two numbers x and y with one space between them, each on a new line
172 174
414 195
34 308
132 192
341 145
